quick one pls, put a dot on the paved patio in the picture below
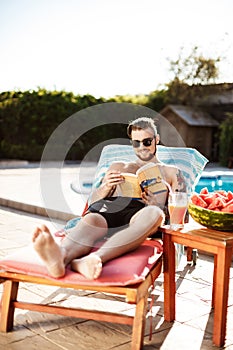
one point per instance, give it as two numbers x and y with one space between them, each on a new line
194 320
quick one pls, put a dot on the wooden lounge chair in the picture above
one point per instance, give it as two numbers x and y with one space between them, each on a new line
130 276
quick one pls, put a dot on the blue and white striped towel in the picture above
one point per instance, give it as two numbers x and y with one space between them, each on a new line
188 160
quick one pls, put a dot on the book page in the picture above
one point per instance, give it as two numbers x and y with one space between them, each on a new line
131 187
150 178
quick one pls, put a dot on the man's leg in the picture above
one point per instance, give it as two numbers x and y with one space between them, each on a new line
78 242
145 222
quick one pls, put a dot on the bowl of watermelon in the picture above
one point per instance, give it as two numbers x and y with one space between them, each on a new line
212 209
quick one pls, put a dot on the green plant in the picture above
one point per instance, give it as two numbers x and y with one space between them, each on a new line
226 140
28 119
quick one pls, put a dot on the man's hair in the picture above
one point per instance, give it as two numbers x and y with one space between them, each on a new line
141 124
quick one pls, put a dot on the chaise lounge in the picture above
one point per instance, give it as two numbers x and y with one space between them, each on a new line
134 283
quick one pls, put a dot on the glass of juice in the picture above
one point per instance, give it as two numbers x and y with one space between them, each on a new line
177 207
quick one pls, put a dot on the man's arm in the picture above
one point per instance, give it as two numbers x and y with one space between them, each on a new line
178 181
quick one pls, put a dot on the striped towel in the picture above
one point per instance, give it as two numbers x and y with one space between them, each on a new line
188 160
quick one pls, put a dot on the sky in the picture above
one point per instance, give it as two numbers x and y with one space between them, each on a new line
108 47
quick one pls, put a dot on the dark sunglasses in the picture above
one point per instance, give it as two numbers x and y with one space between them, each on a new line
146 142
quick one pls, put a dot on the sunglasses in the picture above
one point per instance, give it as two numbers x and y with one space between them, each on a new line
146 142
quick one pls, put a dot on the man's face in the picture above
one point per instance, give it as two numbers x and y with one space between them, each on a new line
147 148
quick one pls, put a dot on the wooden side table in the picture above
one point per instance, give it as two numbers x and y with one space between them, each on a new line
215 242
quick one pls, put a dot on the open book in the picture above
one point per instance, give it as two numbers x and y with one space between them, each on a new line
147 177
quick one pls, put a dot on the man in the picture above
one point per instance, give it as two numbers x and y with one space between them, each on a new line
124 222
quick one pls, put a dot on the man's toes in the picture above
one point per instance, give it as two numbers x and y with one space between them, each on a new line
44 228
36 233
98 270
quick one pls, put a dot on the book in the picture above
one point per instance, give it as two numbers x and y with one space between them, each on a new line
148 177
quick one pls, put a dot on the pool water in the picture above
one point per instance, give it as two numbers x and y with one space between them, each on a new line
214 183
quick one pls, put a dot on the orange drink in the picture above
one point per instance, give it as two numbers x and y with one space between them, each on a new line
177 207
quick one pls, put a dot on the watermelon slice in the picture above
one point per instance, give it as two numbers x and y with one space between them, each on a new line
204 190
229 195
218 200
228 209
196 199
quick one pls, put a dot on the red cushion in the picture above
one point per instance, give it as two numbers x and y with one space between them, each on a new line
128 269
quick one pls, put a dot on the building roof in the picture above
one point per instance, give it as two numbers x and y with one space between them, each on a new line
190 115
225 97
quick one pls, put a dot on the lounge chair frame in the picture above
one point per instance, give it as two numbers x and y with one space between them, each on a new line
134 294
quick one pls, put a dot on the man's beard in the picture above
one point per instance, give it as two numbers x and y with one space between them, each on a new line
145 156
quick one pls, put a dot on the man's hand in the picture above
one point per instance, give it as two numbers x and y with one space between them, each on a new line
113 178
149 198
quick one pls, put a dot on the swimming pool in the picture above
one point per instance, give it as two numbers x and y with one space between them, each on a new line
215 182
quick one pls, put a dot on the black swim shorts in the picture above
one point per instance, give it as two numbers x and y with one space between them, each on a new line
117 211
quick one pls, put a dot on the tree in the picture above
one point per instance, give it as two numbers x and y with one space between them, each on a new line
190 73
195 69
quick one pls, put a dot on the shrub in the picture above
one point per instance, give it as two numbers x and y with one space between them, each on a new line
28 119
226 140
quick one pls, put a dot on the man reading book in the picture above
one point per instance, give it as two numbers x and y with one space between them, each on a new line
122 219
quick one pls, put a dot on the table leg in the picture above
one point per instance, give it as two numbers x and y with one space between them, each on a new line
169 278
214 280
189 254
221 288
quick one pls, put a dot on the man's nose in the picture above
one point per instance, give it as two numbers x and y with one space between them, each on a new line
141 145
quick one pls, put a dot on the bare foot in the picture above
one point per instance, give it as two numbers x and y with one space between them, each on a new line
49 251
89 266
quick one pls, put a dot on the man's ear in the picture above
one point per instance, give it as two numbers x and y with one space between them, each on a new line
157 139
